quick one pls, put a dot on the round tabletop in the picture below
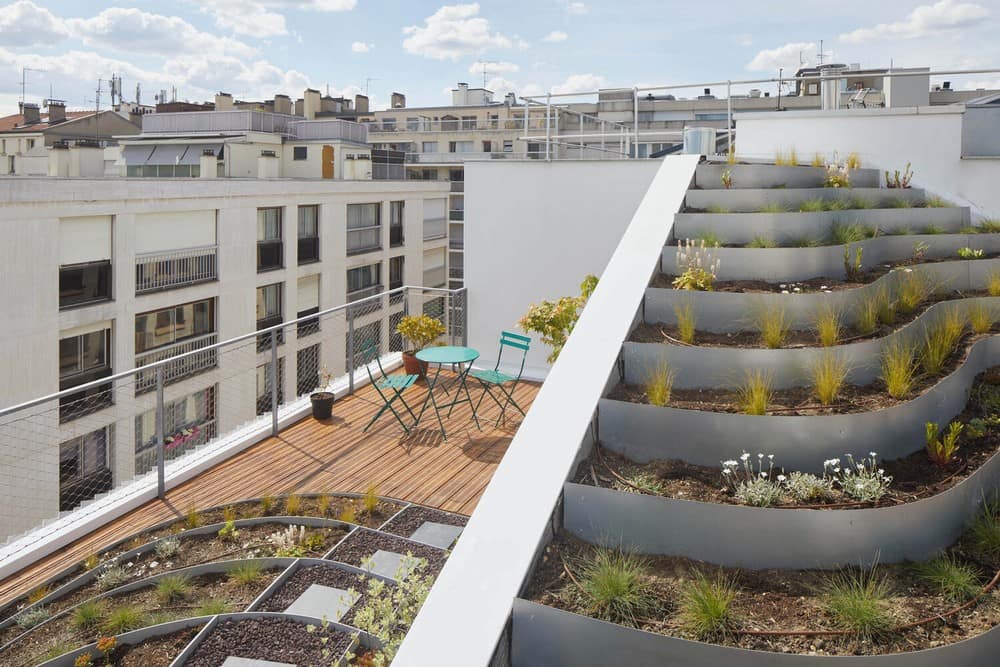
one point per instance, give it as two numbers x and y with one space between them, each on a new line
447 355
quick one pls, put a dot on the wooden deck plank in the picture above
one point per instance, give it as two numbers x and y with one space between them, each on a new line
335 457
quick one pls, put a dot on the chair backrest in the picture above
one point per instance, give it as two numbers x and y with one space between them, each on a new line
369 353
514 342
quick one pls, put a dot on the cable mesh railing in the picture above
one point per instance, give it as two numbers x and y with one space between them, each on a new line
133 430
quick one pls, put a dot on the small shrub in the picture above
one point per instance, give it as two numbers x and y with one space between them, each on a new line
754 395
293 505
853 161
315 541
369 502
812 206
828 374
985 532
969 253
899 369
348 514
857 600
266 504
192 519
711 239
122 619
211 607
897 180
827 321
941 338
852 264
88 614
942 449
837 175
727 179
38 594
912 288
697 265
228 532
685 322
988 226
774 207
951 579
993 283
323 504
760 241
981 317
805 487
172 587
246 573
863 480
841 234
614 582
32 617
659 384
112 576
287 543
167 547
705 606
771 321
229 513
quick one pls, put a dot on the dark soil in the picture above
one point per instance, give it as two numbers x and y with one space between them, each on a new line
776 600
324 575
819 284
413 517
62 631
272 639
362 544
154 652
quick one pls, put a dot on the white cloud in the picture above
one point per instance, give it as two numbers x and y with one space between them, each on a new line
555 36
135 31
361 47
786 56
245 17
579 83
575 7
26 24
260 79
923 21
451 32
493 67
501 86
745 39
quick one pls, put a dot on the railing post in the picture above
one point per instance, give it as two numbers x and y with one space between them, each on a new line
161 485
350 350
274 383
465 316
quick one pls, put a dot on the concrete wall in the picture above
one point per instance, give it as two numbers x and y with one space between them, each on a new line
929 138
564 222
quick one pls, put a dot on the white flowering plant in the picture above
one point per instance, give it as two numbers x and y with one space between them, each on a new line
697 266
862 480
287 543
752 485
838 175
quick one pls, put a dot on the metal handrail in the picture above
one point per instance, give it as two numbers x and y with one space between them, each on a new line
232 341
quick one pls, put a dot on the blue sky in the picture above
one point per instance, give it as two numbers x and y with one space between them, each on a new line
255 48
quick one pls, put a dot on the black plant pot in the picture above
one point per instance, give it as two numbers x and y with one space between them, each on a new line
322 404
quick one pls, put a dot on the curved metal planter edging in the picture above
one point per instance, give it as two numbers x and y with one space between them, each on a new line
698 367
90 575
782 228
750 200
786 265
760 538
729 312
300 563
753 176
543 635
218 567
646 432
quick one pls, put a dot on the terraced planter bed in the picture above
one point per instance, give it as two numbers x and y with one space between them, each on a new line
408 523
329 576
765 605
182 596
361 546
156 652
275 639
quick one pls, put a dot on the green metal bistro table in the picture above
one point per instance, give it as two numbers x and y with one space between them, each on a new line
453 356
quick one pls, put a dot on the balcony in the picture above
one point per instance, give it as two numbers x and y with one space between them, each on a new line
364 239
270 255
178 369
456 215
308 249
176 268
458 186
435 228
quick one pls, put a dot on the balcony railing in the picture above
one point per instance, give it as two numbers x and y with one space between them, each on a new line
458 186
364 239
435 228
308 249
264 339
395 235
456 272
269 255
199 361
456 215
176 268
458 125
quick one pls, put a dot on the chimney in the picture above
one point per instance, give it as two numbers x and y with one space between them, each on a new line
510 99
361 104
398 101
30 113
223 102
311 100
282 104
299 107
57 111
460 95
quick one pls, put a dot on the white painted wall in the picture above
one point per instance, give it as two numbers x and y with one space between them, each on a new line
558 222
929 138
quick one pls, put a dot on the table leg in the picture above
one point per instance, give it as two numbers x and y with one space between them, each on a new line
462 385
430 397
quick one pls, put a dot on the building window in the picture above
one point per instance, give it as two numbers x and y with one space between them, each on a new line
308 234
508 146
396 272
188 422
269 310
468 122
365 338
364 281
264 380
307 370
31 144
269 246
460 146
412 124
83 468
160 328
308 304
487 146
300 153
83 359
396 209
429 147
389 124
364 227
80 284
535 151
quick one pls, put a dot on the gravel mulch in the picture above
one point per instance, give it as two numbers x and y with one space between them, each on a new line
412 518
324 575
362 544
273 639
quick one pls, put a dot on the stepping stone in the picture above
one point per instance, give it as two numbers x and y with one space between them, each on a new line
387 563
440 535
323 602
233 661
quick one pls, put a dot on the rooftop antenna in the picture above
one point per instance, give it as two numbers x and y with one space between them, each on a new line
821 53
24 79
485 64
368 83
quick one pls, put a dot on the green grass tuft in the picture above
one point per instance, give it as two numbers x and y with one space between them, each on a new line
711 239
173 587
953 580
774 207
985 532
614 582
123 619
246 573
857 600
762 242
88 614
853 233
705 606
813 206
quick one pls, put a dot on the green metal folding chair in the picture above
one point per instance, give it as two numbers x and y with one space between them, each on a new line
496 380
389 387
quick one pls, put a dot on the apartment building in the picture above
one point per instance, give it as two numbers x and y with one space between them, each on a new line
107 275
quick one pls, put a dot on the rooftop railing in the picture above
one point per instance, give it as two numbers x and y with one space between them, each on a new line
157 426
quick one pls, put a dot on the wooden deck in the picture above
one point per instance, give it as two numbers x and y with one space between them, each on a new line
332 456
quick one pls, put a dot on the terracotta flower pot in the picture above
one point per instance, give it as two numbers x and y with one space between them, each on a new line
322 404
414 366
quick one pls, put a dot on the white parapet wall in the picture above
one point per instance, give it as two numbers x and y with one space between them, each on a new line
551 225
929 138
